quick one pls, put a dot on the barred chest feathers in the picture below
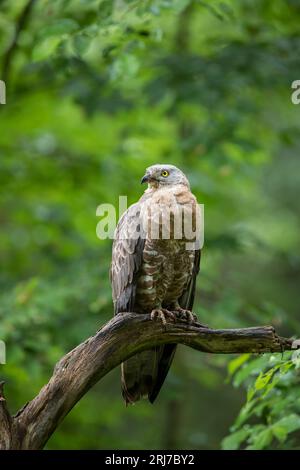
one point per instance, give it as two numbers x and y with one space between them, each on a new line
167 265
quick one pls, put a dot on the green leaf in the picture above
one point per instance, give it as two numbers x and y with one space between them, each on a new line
284 368
59 28
261 440
280 433
253 367
250 393
234 441
237 363
286 425
263 379
106 9
45 49
126 66
245 412
81 43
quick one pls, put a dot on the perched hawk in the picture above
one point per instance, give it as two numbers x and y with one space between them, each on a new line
154 271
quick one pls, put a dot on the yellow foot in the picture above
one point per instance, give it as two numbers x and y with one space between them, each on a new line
162 314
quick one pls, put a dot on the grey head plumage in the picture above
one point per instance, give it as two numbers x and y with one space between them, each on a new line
160 175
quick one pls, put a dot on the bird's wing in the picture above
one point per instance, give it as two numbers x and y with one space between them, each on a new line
188 296
127 256
166 352
138 372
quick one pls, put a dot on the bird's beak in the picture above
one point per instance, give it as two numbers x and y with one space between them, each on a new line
145 179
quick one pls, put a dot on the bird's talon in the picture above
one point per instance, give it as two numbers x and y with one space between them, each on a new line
190 317
186 315
162 315
169 314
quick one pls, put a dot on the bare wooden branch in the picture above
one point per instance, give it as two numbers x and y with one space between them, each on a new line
122 337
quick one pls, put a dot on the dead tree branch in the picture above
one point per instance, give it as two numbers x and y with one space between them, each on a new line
122 337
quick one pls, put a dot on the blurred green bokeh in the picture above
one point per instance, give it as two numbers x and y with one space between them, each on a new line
96 91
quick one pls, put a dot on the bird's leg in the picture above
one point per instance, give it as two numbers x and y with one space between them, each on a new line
162 314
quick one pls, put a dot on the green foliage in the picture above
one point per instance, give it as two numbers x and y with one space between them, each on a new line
97 91
270 418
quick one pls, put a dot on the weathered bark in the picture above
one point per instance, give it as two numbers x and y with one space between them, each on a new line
122 337
5 422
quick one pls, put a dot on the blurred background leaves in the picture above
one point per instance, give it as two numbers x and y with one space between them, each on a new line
96 91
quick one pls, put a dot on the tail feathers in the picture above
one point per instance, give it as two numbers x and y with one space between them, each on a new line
137 376
143 374
164 363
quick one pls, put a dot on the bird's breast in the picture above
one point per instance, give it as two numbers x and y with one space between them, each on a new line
165 271
170 214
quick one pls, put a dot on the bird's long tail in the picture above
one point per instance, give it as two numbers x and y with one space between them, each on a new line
143 374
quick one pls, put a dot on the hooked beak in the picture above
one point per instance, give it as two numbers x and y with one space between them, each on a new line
145 179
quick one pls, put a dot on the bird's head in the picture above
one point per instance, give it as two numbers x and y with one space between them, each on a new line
158 176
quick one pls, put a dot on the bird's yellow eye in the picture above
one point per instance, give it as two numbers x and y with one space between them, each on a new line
164 173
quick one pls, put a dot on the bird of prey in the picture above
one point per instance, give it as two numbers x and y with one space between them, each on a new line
154 270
